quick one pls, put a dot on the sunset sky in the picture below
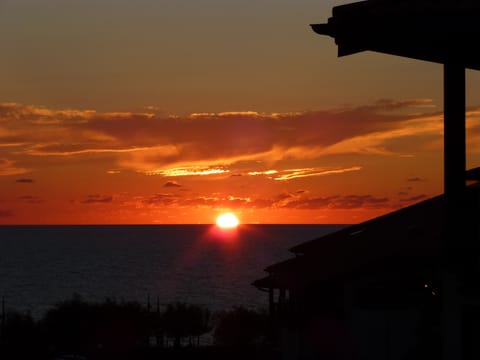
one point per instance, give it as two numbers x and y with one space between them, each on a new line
156 111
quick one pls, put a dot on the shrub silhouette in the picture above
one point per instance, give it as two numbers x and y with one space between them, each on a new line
79 327
181 320
121 330
240 327
18 335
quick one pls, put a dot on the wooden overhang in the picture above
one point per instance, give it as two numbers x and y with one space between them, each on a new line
436 31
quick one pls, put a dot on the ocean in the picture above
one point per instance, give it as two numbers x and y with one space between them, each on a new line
198 264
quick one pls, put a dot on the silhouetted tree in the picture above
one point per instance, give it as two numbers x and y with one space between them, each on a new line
181 320
68 326
200 321
79 327
19 338
240 327
121 326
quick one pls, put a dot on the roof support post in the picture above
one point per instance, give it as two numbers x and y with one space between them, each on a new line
454 159
454 134
455 189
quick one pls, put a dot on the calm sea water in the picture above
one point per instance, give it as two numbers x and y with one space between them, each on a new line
41 265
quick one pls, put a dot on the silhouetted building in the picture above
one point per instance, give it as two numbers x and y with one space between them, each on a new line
373 290
446 32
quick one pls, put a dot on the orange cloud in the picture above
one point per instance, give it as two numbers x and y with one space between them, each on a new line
284 200
340 202
189 171
219 138
6 213
7 167
31 199
94 199
308 172
172 184
24 181
415 198
161 199
246 160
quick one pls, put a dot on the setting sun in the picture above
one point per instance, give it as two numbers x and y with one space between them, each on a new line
227 221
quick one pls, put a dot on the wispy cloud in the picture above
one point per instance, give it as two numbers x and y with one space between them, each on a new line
94 199
392 105
233 150
266 172
291 174
31 199
25 181
6 213
154 143
8 167
172 184
160 199
189 171
339 202
299 200
415 198
415 179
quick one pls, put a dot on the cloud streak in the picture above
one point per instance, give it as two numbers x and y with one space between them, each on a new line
291 174
8 167
6 213
24 181
172 184
312 160
189 171
158 144
298 200
97 199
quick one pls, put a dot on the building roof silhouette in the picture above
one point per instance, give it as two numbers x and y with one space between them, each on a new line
412 236
437 31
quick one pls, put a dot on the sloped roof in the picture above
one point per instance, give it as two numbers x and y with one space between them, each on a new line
414 232
400 233
402 228
473 174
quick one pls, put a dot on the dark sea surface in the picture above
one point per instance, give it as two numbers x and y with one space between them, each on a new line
41 265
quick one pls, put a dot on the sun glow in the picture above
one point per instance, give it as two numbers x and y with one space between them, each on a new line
227 221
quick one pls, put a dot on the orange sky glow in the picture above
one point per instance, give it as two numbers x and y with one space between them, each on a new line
338 166
187 113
